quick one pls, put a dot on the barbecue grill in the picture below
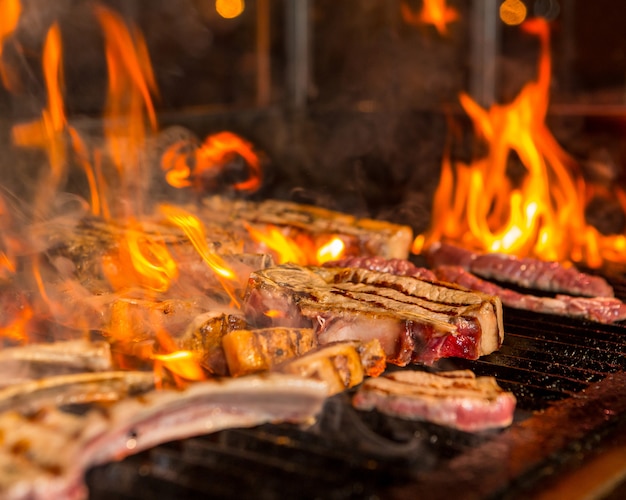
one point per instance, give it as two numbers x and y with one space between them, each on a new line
569 376
570 382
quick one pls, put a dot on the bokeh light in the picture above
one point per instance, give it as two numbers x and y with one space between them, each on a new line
513 12
229 9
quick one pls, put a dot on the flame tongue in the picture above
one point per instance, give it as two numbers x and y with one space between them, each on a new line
434 12
10 11
542 215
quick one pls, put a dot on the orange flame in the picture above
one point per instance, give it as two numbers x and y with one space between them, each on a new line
209 160
194 230
332 250
435 12
131 86
284 248
48 132
544 214
10 11
275 313
140 260
17 328
183 365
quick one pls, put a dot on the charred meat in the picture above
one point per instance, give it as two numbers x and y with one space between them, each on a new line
524 272
250 351
415 320
341 365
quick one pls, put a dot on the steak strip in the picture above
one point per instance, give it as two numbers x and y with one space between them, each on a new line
599 309
456 399
526 272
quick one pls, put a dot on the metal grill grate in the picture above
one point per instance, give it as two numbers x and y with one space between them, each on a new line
546 361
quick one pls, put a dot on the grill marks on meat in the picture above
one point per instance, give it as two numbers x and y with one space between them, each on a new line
250 351
456 399
414 320
600 309
46 455
341 365
526 272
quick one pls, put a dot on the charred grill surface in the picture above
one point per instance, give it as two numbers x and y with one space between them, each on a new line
572 370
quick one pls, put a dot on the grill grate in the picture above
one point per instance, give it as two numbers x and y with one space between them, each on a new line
546 361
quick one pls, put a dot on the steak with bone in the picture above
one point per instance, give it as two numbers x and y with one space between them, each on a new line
415 320
46 455
523 272
599 309
455 399
73 389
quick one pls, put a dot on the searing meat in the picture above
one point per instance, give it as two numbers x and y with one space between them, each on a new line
361 236
250 351
526 272
341 364
456 399
600 309
399 267
77 388
45 455
204 336
414 320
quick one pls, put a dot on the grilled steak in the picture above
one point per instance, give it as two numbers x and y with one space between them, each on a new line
45 455
249 351
600 309
361 236
415 320
341 365
456 399
526 272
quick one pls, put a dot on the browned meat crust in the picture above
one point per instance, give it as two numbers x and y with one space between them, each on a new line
414 320
456 399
